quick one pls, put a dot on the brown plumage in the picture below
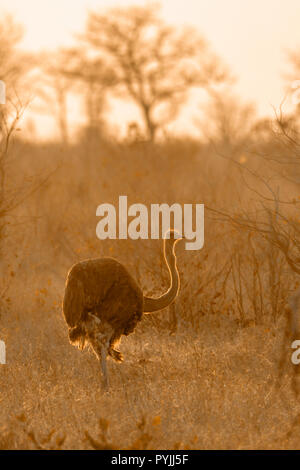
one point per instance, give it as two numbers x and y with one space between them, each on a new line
102 302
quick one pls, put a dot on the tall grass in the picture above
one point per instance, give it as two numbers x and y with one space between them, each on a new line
200 377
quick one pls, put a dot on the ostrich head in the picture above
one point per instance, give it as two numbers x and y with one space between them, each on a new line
171 237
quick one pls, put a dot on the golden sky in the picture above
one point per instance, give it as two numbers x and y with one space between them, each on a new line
250 35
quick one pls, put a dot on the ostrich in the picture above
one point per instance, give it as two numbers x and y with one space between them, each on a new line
102 302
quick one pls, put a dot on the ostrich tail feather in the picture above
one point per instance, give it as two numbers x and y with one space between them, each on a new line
77 336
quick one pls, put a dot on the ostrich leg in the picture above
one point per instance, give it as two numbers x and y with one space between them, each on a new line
114 353
100 348
99 334
104 366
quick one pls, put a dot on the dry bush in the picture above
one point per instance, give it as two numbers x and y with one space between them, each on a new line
212 383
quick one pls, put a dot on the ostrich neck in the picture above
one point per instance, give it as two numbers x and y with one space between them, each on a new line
153 305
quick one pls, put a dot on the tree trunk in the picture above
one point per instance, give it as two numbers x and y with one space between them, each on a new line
150 126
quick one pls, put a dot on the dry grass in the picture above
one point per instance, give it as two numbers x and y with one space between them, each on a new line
210 390
211 384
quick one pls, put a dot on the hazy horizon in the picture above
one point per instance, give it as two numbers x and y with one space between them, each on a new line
265 31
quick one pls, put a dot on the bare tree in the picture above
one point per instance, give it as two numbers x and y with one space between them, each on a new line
229 124
14 64
53 88
73 71
92 78
275 218
155 65
7 130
